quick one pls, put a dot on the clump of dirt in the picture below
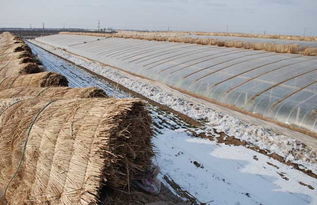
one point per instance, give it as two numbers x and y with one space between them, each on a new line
307 185
197 164
273 165
282 174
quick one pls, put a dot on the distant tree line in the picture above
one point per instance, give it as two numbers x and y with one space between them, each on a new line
36 32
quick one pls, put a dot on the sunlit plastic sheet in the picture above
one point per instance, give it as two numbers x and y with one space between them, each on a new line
281 87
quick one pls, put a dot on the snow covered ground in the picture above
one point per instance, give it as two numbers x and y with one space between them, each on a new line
221 174
213 173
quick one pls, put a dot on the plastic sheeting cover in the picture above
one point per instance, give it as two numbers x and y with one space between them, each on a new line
281 87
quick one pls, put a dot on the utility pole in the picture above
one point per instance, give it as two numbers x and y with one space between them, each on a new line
98 25
43 25
305 30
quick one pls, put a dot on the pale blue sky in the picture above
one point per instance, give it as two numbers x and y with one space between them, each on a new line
252 16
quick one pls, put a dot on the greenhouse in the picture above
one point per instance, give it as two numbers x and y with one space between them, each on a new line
278 87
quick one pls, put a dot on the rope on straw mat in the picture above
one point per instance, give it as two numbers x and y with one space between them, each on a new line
25 143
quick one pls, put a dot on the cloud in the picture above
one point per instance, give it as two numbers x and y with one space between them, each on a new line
213 3
279 2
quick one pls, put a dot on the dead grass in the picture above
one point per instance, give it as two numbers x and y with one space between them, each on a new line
44 79
64 151
267 36
180 38
61 145
53 92
15 57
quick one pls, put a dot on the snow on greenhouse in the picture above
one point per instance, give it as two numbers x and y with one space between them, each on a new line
276 87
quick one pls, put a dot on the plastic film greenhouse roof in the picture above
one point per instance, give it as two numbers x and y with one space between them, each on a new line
281 87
